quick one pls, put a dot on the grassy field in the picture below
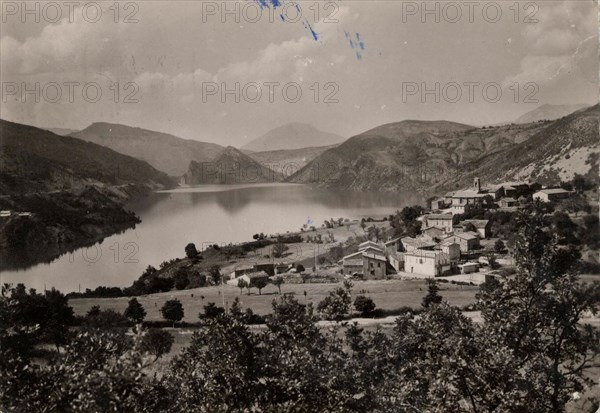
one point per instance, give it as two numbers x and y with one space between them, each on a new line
388 295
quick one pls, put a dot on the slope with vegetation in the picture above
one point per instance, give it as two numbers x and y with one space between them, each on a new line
230 166
71 192
163 151
432 156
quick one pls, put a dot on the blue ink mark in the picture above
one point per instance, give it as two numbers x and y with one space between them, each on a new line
314 34
282 17
355 44
309 221
360 42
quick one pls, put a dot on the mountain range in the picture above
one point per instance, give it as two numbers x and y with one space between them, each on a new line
424 156
33 159
164 152
429 156
292 136
548 112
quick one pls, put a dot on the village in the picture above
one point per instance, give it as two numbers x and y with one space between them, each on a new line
447 247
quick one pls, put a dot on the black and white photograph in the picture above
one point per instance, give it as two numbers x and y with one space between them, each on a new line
272 206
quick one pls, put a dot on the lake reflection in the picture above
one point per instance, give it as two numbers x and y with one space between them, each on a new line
204 215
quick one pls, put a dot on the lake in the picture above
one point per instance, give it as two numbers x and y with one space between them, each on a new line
204 215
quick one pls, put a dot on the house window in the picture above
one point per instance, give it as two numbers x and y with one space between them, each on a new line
420 260
378 265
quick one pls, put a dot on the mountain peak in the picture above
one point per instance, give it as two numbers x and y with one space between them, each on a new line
295 135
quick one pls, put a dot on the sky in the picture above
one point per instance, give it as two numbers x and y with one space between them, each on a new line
228 72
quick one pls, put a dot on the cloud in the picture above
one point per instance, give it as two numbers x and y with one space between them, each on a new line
561 47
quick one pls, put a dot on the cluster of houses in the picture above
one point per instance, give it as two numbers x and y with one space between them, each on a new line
437 251
506 195
440 248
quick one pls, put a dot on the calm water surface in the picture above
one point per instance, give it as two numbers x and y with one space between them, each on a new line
206 214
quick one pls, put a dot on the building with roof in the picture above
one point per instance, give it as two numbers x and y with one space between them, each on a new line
468 241
393 245
366 264
434 232
421 242
452 249
507 202
248 277
370 244
552 194
427 263
483 226
469 267
441 221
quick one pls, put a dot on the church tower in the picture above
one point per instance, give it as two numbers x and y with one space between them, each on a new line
477 185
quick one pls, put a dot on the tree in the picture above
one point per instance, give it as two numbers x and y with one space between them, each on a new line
579 183
300 268
337 304
181 279
157 342
258 282
135 311
242 284
172 310
364 305
190 251
499 246
279 248
469 227
433 296
277 282
215 274
536 314
211 310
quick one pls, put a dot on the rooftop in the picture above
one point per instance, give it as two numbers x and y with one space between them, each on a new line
554 191
439 216
478 223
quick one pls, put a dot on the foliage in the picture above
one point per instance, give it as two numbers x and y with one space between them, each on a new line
499 246
364 305
135 311
337 304
259 282
28 318
191 251
279 248
215 274
242 284
432 296
157 342
172 310
211 311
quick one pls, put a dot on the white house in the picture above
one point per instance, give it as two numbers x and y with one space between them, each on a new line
441 221
550 195
427 263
